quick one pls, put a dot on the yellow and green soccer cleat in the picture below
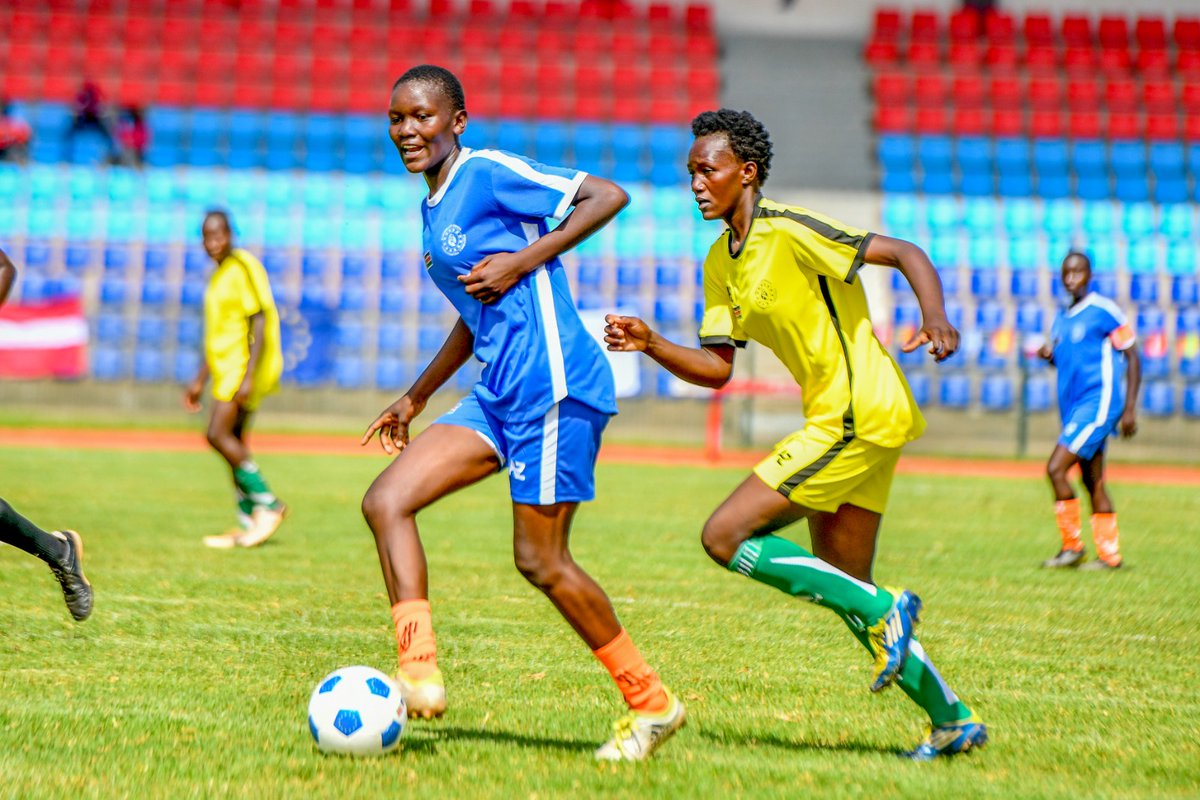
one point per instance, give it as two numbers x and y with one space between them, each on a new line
890 637
636 736
425 698
950 740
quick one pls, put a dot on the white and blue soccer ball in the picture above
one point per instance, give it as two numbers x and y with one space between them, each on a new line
357 711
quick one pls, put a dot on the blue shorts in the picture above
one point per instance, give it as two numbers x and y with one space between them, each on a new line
551 459
1086 427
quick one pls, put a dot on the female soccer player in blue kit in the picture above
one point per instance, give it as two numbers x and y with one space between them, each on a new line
539 408
1099 372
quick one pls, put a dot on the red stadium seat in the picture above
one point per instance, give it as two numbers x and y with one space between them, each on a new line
290 94
1189 98
1124 125
660 15
21 85
999 27
1006 92
966 54
440 8
698 17
516 41
1162 127
880 53
931 120
1084 123
257 94
1001 56
523 10
1076 30
1153 61
629 78
965 24
1113 31
1120 94
1158 96
1039 29
969 121
1046 123
1045 91
1151 32
968 90
59 88
1083 93
1191 128
889 24
1187 33
1187 64
1041 58
1007 122
930 89
631 108
892 119
924 26
175 93
214 93
891 87
628 44
552 103
481 9
923 53
599 107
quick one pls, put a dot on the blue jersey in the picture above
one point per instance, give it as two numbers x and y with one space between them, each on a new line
1088 340
534 348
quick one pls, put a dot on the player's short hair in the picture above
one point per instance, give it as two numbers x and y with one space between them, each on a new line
747 136
1077 253
223 214
441 78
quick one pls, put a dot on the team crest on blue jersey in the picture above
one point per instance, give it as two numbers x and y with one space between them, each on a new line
428 259
454 241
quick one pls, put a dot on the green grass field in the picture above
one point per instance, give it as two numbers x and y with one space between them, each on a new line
192 676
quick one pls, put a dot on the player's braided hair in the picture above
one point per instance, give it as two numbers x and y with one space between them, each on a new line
747 136
443 79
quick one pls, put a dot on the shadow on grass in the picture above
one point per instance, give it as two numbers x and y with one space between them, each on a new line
432 736
769 740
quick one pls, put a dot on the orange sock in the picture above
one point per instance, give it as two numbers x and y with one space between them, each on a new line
414 638
1067 514
643 690
1105 534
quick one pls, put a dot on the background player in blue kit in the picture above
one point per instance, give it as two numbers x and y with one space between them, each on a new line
1098 377
541 403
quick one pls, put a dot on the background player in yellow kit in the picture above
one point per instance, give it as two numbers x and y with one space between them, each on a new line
242 353
786 277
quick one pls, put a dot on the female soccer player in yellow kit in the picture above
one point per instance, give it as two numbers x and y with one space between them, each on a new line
786 277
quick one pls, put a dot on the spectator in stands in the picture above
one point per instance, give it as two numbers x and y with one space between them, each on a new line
91 113
14 133
243 355
787 278
1090 343
61 550
539 409
133 135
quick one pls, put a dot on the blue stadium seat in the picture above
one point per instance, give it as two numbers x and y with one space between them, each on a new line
432 302
352 298
151 330
391 337
1050 156
77 256
189 331
515 136
1132 188
591 302
1167 159
282 136
1128 158
109 363
43 222
1158 398
1185 290
313 265
666 275
355 233
160 186
629 275
1012 156
112 291
550 140
1053 185
901 213
1026 284
354 266
430 338
1093 187
919 383
891 182
349 334
1151 327
185 365
1014 185
1089 157
906 321
935 153
667 310
123 225
977 183
1143 288
192 293
1039 394
1030 318
314 296
154 292
391 373
942 214
116 259
1143 256
936 182
979 215
996 393
897 152
1178 221
1021 216
989 316
111 329
1187 341
155 261
1137 219
1104 283
195 262
1171 189
35 288
149 366
983 252
1059 217
954 391
590 274
1181 258
1097 219
395 265
945 251
207 145
395 300
1191 400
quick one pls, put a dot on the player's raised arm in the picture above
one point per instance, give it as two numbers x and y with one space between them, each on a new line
8 274
711 365
918 270
596 202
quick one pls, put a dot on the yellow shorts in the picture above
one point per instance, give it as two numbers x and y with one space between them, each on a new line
225 384
815 470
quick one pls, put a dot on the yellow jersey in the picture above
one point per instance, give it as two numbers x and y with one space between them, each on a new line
791 287
238 290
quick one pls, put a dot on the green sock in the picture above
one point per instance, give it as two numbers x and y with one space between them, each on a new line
245 508
251 482
790 568
921 682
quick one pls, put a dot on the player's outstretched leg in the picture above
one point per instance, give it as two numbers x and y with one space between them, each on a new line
1066 510
61 550
543 557
1104 516
417 672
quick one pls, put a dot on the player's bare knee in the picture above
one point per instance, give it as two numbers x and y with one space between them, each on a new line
378 507
540 570
719 542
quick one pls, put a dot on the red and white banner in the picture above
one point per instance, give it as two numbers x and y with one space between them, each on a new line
43 340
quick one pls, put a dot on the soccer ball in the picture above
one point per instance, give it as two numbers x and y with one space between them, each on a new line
357 711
